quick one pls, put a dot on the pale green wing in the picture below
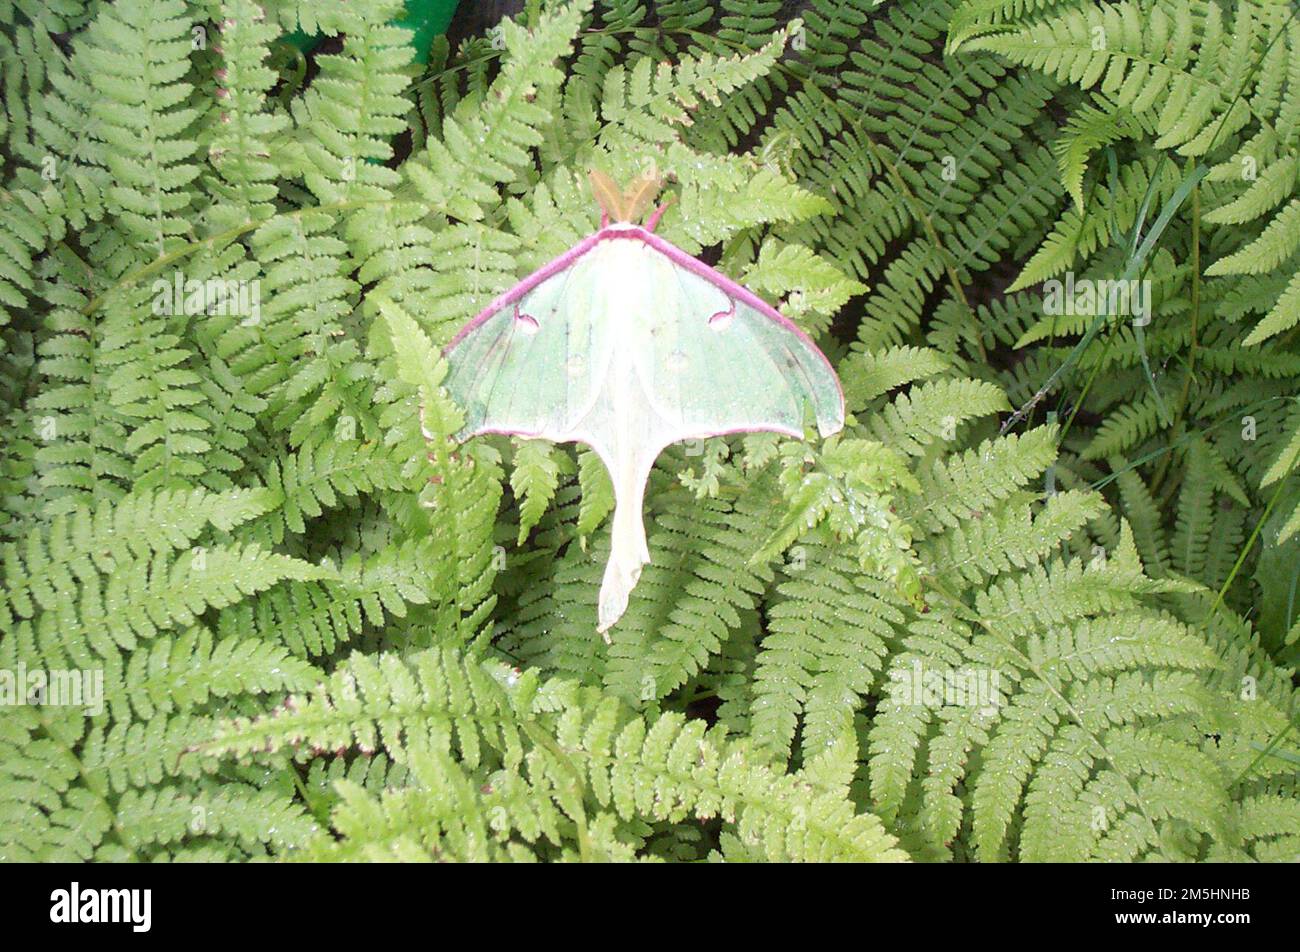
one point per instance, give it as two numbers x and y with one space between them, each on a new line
533 361
720 360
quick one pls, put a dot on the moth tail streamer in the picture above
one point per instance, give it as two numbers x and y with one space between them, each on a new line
628 549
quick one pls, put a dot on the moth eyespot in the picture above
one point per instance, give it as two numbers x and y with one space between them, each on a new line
575 365
527 323
722 320
677 361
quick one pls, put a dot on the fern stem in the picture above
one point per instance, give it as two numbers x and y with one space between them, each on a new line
1087 387
953 279
1250 544
542 739
91 786
1266 751
1179 423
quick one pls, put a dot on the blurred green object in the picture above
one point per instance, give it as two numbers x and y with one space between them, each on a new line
427 18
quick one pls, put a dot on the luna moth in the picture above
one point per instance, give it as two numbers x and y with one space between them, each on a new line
627 343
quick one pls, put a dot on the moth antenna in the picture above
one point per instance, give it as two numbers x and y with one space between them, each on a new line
608 196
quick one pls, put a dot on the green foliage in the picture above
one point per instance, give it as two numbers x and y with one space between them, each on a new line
1036 602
